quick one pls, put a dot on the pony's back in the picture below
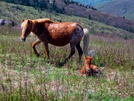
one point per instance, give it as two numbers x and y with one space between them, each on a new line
43 20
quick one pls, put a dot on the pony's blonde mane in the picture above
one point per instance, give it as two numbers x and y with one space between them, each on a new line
24 23
42 20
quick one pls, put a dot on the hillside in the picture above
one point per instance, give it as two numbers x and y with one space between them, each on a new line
123 8
73 8
18 12
96 15
91 2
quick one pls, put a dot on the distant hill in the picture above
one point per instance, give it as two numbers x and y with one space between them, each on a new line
123 8
78 10
92 2
72 8
17 12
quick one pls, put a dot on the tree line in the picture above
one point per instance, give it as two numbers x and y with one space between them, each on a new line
40 4
44 4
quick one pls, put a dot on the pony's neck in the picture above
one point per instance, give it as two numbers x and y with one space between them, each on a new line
33 29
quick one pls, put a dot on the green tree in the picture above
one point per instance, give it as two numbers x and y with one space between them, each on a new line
11 1
42 5
35 3
89 17
27 3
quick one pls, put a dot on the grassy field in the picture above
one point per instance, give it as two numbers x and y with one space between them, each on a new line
25 77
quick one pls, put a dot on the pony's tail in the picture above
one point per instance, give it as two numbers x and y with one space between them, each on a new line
86 44
85 41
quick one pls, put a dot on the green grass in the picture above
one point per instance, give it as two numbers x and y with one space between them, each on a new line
25 77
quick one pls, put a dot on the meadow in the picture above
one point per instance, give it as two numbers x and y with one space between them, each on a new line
25 77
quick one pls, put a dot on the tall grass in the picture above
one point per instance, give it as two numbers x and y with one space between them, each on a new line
115 52
25 77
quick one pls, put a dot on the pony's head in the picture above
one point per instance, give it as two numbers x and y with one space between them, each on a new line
26 27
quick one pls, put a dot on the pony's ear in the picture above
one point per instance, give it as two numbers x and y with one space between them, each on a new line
35 22
29 21
23 20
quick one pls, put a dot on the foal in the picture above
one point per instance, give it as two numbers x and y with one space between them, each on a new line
89 69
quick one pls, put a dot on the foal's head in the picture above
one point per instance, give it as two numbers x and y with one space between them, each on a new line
88 60
26 27
92 70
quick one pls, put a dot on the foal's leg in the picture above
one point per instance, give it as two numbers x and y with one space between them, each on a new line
33 46
79 50
46 49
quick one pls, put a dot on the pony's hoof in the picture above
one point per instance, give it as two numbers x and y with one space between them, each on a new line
61 64
37 55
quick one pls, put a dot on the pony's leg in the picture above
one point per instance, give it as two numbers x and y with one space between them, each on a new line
46 49
79 50
33 46
70 55
72 46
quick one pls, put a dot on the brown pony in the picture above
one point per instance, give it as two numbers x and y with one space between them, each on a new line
56 33
89 69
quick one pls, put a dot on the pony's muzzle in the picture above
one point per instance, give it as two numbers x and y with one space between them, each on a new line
23 39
